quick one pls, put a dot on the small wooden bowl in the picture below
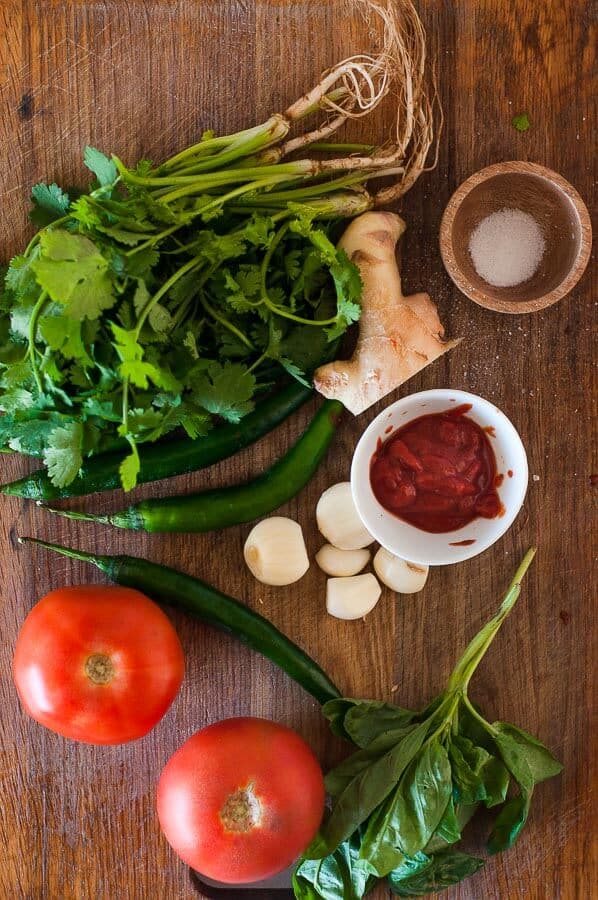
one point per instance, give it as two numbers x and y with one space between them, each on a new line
559 211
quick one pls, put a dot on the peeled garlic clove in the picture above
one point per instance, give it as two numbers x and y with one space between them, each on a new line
338 519
275 551
341 563
352 598
398 574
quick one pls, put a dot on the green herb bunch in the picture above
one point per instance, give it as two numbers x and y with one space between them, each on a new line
402 800
167 295
135 311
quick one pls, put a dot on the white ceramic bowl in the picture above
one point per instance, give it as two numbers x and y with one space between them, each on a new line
412 543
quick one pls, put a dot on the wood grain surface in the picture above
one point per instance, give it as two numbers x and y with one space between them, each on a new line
145 77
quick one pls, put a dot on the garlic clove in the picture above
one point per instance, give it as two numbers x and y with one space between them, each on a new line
275 551
341 563
398 574
339 521
352 598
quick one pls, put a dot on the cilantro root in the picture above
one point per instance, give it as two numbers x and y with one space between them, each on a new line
172 296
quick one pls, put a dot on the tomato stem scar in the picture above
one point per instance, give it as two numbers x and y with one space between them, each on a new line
241 811
99 668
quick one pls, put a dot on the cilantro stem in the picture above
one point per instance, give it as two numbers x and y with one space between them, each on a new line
153 240
225 322
332 147
240 144
300 168
277 310
258 362
189 190
125 412
188 267
184 307
31 335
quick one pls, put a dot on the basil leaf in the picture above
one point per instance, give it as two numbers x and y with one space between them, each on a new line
411 865
515 761
463 813
471 728
442 871
510 822
340 777
468 785
477 775
371 787
422 798
448 828
367 721
529 762
341 875
335 711
539 759
496 782
379 848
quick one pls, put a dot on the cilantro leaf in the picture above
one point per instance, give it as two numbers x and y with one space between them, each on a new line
132 366
20 278
349 286
129 470
224 389
521 121
64 335
190 344
73 271
292 264
63 456
103 168
259 230
15 399
50 203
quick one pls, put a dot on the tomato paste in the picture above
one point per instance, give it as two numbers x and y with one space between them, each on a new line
437 472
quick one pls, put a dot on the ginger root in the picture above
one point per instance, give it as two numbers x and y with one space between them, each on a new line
398 335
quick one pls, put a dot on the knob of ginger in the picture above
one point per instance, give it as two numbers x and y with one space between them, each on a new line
398 335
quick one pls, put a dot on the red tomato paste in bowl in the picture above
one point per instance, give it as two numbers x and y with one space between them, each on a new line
437 472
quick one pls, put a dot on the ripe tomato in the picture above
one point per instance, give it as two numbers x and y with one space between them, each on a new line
98 664
241 799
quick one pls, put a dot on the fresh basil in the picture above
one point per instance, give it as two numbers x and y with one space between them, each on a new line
340 876
340 777
402 800
517 745
335 711
441 871
370 788
477 775
379 848
422 798
509 822
463 814
368 721
448 829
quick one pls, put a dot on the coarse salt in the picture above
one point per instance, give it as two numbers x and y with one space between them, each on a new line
506 247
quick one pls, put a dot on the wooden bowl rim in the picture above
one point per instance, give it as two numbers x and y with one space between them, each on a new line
518 167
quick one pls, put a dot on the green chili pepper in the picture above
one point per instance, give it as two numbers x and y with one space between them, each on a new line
168 458
223 507
199 599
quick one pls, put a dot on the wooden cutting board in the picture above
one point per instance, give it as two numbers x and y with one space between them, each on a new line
144 78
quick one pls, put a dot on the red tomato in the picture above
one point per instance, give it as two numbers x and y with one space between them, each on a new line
241 799
97 663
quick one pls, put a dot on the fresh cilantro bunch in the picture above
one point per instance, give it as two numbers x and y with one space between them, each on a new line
141 307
